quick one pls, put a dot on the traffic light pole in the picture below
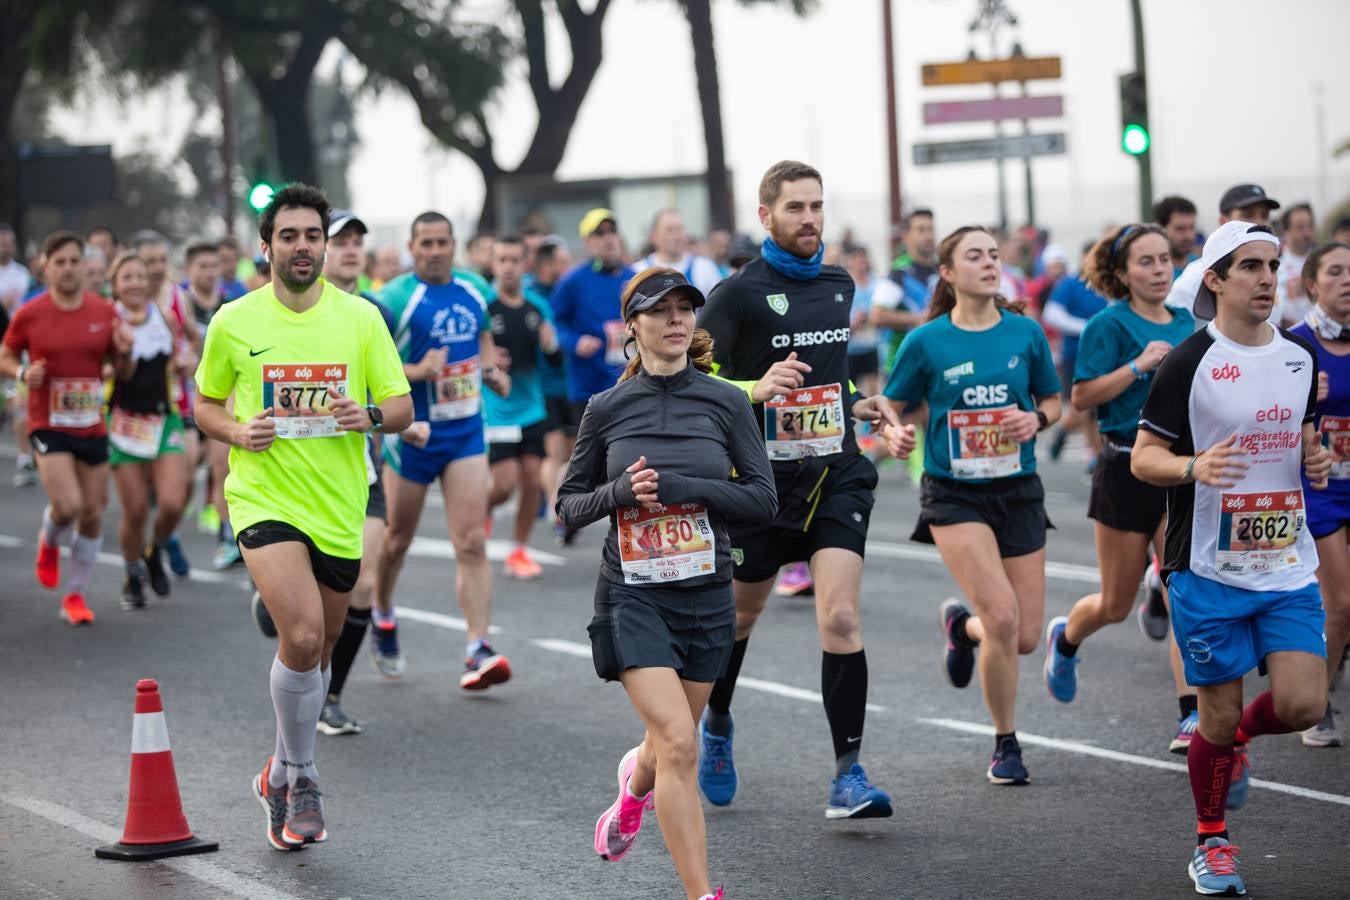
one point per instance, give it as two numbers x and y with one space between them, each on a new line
892 126
1145 162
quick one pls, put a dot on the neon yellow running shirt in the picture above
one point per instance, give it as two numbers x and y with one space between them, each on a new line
313 477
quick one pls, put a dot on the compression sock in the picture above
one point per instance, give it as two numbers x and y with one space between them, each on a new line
1211 771
1188 703
54 535
344 651
719 701
1259 718
843 685
1064 646
83 555
297 698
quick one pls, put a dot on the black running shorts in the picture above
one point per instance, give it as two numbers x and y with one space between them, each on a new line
531 443
92 451
690 630
1121 501
820 505
1013 507
331 571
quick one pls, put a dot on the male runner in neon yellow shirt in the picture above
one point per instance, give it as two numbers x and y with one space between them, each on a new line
295 352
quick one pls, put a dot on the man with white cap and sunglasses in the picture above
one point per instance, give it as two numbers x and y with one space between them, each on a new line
1226 429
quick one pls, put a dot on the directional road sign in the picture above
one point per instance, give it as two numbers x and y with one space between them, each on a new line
992 110
979 71
1014 146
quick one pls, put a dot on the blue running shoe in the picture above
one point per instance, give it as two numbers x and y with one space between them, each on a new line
1213 868
959 658
1061 672
852 796
178 561
1242 777
1181 743
1006 765
716 766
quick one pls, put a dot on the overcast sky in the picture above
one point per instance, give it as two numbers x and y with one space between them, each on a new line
1232 97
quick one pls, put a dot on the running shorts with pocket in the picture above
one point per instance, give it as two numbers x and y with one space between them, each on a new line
820 505
1224 632
690 630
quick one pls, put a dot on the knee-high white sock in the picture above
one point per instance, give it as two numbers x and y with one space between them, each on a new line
83 555
297 698
54 535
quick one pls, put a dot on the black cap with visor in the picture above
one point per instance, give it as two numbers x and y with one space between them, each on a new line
650 291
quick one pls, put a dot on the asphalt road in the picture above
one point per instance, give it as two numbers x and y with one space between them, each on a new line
452 795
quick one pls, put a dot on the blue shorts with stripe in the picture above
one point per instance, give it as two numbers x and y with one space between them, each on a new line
1224 632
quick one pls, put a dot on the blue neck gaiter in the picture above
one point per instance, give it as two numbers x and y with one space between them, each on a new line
790 265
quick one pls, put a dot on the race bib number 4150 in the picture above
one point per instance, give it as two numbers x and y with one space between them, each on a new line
671 544
978 447
1258 532
299 398
807 422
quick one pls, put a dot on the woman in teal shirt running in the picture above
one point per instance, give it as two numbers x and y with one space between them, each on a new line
1120 350
988 379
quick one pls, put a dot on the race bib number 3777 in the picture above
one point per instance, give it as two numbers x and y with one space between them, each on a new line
1259 532
671 544
299 397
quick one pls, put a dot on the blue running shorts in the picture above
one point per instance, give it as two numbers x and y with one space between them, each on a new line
425 464
1224 632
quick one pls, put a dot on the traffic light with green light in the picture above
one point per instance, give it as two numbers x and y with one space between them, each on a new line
259 195
1134 136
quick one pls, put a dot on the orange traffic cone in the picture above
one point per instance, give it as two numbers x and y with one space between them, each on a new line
156 826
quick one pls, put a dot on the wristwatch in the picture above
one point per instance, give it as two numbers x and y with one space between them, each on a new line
1043 419
376 417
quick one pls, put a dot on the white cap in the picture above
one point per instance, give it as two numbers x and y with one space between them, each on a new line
1054 253
1226 238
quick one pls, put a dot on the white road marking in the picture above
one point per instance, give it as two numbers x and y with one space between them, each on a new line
1116 756
1062 571
497 551
440 620
200 868
571 648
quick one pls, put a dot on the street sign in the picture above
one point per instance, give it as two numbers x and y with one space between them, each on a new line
979 71
994 110
989 148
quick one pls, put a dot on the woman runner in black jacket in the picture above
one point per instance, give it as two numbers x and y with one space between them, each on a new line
669 455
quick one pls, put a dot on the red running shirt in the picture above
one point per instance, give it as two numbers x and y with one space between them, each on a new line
74 345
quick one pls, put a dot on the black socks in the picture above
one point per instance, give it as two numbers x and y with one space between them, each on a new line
719 701
344 651
1188 704
1064 646
843 685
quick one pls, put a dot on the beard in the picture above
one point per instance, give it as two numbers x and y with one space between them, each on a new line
791 241
298 283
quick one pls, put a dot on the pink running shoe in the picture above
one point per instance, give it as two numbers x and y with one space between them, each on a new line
715 895
795 581
618 826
